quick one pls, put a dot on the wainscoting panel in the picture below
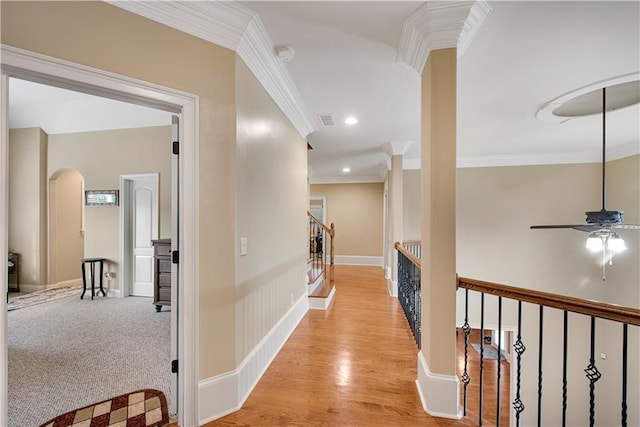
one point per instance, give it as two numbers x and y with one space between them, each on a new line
226 393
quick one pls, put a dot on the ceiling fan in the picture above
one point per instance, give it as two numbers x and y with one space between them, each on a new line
601 224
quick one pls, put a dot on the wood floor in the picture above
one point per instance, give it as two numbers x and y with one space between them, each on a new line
354 364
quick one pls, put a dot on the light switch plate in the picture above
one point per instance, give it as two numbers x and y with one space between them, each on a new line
243 246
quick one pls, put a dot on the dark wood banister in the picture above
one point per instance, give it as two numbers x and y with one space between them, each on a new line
332 233
602 310
415 260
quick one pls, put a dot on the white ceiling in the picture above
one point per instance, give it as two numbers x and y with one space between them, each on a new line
526 54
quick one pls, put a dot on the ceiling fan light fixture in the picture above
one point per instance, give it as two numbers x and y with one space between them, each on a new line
595 242
616 243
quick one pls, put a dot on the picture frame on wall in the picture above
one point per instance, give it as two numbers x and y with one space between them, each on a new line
101 198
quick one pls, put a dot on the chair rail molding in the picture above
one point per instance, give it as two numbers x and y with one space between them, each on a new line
240 29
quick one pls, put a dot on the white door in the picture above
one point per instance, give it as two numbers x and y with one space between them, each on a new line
144 228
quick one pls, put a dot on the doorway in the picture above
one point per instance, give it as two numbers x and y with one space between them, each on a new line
138 228
22 64
66 225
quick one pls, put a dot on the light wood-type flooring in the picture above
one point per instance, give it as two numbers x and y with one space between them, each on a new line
354 365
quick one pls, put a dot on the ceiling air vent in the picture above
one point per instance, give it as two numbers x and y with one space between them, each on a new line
327 120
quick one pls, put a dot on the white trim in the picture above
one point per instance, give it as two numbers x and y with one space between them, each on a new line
396 148
435 25
358 260
365 179
392 286
439 394
614 153
124 279
227 392
472 25
114 293
33 66
238 28
4 245
321 303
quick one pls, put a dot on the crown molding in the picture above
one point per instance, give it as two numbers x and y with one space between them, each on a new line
396 148
365 179
235 27
256 49
435 25
595 156
472 25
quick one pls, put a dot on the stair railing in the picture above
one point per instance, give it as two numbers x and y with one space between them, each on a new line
545 303
319 233
409 289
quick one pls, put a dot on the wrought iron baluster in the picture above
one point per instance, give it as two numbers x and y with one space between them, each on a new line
481 356
519 348
499 361
467 330
624 375
592 374
564 369
540 368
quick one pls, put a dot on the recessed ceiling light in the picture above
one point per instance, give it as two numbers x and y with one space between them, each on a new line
346 170
351 120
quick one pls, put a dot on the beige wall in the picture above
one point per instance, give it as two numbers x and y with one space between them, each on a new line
411 202
101 157
271 204
496 206
83 32
356 211
28 203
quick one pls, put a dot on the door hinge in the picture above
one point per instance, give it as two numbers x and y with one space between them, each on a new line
174 366
176 147
175 257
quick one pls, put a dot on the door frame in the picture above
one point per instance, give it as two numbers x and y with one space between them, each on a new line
32 66
126 267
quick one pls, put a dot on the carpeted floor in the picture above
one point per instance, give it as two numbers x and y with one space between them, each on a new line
69 353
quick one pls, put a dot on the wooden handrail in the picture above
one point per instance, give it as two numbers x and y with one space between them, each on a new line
409 255
602 310
331 229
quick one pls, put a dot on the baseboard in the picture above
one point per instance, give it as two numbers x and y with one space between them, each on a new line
226 393
439 394
358 260
33 288
392 286
113 293
316 303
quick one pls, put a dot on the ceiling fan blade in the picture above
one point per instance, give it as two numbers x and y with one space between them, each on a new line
628 226
580 227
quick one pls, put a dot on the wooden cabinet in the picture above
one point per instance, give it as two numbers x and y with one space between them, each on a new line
162 275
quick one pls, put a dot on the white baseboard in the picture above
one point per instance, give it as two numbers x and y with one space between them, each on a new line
226 393
439 394
32 288
113 293
316 303
392 285
358 260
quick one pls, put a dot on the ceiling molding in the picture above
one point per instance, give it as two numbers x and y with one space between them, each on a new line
365 179
219 22
257 51
547 158
234 27
396 148
435 25
472 25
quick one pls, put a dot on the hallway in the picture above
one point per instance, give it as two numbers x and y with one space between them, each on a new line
354 364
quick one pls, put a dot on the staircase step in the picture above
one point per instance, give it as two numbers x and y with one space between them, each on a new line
321 298
323 290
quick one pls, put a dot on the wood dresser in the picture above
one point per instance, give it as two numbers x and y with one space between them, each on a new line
162 275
